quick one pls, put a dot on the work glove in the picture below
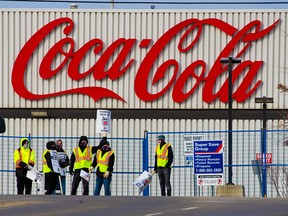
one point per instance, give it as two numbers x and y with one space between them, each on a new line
62 164
31 164
104 139
23 165
91 169
71 172
106 174
155 170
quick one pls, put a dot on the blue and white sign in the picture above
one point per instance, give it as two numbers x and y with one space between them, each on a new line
208 157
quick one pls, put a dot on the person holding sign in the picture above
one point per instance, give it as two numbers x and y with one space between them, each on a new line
81 160
23 157
163 162
104 162
51 167
64 162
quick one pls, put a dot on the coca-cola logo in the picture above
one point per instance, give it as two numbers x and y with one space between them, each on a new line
247 70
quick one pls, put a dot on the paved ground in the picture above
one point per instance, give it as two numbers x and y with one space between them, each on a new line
140 206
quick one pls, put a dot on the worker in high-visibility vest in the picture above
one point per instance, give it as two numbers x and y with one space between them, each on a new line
104 161
23 157
81 159
163 164
50 167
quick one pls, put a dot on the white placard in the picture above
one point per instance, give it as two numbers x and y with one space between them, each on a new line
62 158
34 175
85 175
55 161
103 121
143 181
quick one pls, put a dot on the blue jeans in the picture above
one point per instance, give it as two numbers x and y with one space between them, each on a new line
99 183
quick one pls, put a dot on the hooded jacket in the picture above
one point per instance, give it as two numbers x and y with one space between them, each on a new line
47 163
23 157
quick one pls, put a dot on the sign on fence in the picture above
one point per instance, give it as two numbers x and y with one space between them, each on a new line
189 147
268 157
208 162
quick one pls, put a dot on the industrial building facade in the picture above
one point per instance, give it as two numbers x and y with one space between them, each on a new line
156 70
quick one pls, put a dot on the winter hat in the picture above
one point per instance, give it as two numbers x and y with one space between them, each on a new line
104 139
83 138
161 137
51 145
105 142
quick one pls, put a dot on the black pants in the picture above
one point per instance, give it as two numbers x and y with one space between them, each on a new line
75 183
24 183
164 178
50 182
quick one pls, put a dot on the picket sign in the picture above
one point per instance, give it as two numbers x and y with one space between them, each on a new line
143 181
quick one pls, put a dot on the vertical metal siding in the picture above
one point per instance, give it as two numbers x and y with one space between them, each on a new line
18 26
124 127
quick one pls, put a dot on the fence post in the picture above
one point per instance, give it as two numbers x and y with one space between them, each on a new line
264 170
145 159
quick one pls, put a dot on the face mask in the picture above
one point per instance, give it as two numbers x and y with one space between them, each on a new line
83 143
105 147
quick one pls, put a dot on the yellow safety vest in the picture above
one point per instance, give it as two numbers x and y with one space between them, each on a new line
25 155
103 161
45 167
83 159
162 155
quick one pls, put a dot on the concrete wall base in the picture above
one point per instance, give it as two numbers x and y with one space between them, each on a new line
230 191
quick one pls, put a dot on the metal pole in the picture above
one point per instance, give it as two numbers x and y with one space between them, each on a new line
264 170
230 61
264 100
230 118
145 159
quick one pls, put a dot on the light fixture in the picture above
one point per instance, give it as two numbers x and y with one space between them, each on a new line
73 6
39 114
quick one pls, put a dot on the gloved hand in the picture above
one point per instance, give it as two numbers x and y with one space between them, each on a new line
91 169
23 165
106 174
155 170
71 172
104 139
31 164
62 164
